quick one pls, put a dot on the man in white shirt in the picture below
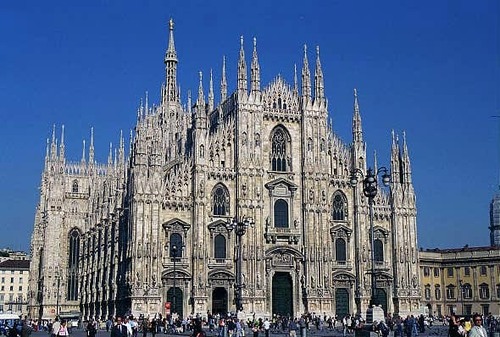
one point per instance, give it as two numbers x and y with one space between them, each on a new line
478 330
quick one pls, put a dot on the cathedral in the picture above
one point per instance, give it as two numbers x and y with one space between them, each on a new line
248 203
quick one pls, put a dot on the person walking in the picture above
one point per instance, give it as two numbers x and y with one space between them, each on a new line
119 330
91 328
63 329
478 329
267 327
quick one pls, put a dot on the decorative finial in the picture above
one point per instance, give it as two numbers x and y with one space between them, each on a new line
305 49
241 41
171 24
254 42
355 92
317 50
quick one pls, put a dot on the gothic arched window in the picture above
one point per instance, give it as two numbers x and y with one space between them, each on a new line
340 250
339 206
176 241
281 214
74 187
378 250
74 253
220 247
220 200
279 148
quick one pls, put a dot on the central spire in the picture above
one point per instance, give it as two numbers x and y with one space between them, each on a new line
171 93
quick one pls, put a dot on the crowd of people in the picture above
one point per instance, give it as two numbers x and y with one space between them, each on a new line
231 326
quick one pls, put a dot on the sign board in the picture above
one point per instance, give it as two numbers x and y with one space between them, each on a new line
167 308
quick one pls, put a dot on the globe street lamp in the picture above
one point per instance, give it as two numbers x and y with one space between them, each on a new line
370 188
240 228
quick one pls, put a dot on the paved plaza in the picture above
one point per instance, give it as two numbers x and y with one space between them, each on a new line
436 330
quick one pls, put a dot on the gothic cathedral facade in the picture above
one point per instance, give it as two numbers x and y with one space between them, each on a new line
151 227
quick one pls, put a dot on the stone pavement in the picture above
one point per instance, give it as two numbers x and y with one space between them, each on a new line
436 330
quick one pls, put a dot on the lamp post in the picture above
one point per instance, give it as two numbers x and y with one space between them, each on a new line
370 188
240 228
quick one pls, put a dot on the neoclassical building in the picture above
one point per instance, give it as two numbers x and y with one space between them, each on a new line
150 226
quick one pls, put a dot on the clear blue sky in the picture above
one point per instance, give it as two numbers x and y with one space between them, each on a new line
430 68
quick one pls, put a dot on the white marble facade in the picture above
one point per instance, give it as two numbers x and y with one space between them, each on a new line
263 152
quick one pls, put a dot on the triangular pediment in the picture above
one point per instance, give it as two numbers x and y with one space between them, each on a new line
281 182
217 223
176 224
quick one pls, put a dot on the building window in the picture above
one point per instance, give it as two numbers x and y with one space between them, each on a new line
3 288
20 280
340 250
279 146
176 240
484 291
281 214
468 309
486 309
483 271
74 188
437 292
339 206
74 254
467 271
20 288
11 280
3 279
11 288
436 272
498 290
220 200
220 246
427 292
427 271
467 291
379 251
450 292
450 271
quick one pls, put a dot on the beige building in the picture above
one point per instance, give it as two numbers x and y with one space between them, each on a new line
14 276
151 227
463 280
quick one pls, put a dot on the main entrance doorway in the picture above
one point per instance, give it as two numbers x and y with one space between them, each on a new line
176 301
341 302
219 301
381 298
282 294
